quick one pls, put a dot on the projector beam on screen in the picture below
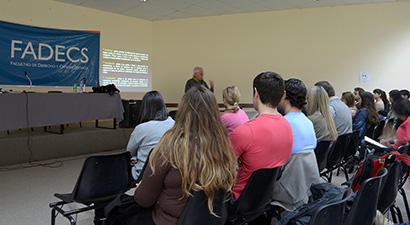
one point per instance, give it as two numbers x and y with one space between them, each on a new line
128 71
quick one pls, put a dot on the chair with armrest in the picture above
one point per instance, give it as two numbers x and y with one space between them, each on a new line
321 153
349 158
378 130
331 213
143 169
395 210
335 157
352 145
255 199
173 114
196 210
389 192
369 131
363 209
101 179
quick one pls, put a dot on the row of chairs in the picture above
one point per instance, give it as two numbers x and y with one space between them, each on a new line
333 156
362 211
103 177
393 184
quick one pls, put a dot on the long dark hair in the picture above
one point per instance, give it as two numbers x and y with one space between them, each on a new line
383 96
153 107
198 146
372 117
395 95
402 107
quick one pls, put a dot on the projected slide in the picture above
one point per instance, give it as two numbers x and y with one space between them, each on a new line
129 71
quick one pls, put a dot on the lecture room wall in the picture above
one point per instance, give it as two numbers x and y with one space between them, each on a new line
328 43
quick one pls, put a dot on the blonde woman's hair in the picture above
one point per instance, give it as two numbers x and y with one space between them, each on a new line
318 101
232 96
198 146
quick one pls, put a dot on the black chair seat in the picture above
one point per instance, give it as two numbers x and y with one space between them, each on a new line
196 210
68 198
335 156
255 198
101 179
363 209
331 213
389 189
321 152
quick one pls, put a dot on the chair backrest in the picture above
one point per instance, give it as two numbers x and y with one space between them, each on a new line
331 213
404 149
370 130
143 168
389 187
102 178
379 130
336 154
363 209
173 114
321 152
257 193
196 210
352 145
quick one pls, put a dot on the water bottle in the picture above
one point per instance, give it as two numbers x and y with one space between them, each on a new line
75 87
81 86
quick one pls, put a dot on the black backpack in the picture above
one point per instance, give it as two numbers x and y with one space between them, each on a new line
121 210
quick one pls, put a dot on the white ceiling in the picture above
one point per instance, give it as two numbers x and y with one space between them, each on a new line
173 9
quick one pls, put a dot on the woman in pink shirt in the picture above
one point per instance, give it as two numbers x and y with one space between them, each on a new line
233 116
402 109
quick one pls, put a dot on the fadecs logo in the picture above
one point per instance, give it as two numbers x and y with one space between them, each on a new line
57 52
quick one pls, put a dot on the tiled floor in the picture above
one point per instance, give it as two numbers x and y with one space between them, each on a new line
26 192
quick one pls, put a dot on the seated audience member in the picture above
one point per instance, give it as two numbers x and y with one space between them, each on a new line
194 155
382 104
356 92
154 122
394 96
233 115
402 108
367 115
266 141
300 170
405 94
304 138
318 111
349 100
340 112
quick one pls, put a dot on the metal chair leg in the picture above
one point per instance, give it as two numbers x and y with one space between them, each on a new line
72 221
393 214
346 174
330 177
406 204
53 216
396 213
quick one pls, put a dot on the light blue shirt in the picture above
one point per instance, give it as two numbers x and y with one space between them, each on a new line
143 139
304 137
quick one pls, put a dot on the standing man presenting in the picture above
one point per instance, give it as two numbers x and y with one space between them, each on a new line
198 79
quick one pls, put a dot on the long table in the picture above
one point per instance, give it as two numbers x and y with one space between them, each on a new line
25 110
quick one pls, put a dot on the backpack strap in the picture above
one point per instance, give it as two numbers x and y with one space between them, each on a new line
404 158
